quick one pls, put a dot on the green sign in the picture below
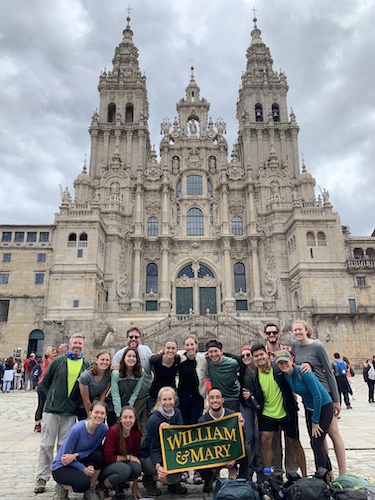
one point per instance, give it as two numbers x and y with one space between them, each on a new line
202 446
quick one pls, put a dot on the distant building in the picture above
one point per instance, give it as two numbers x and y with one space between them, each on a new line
195 242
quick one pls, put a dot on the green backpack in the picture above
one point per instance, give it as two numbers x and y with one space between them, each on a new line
350 481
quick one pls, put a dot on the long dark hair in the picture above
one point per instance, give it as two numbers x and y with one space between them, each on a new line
121 437
137 370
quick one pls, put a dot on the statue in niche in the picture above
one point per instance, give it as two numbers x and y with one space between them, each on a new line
114 190
175 164
275 190
193 127
212 164
294 195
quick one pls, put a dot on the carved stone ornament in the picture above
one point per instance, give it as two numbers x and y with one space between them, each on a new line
236 207
235 172
122 287
153 207
153 172
270 285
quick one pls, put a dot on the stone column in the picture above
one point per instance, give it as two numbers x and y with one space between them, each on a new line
136 301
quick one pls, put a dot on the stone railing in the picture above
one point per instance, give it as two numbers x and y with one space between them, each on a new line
354 264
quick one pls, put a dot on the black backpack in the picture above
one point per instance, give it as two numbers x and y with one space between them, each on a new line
364 493
308 488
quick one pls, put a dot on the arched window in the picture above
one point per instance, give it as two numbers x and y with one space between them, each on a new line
204 271
310 239
237 229
111 115
129 113
186 271
195 222
275 112
239 277
358 253
83 237
321 237
258 112
194 185
370 252
152 278
152 226
72 240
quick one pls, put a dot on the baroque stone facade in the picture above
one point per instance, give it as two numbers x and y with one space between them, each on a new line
194 241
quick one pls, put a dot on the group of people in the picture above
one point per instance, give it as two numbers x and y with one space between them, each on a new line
136 392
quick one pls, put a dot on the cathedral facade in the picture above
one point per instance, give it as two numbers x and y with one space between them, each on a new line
196 238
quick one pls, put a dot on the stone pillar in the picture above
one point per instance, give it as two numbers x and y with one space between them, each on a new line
228 300
257 301
136 302
164 302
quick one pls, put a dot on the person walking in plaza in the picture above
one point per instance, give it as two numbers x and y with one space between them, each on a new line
165 367
369 377
339 368
165 413
126 382
222 371
318 405
122 448
94 383
350 374
28 367
277 407
49 355
134 339
79 461
60 383
8 374
216 410
308 350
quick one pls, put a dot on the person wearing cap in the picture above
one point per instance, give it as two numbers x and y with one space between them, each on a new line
28 366
60 384
222 372
318 405
277 407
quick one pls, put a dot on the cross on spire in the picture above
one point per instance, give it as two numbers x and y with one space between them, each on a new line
129 10
254 10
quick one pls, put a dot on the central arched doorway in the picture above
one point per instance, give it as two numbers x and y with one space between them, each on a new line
36 343
196 290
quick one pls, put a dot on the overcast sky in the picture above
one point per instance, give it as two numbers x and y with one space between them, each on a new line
52 52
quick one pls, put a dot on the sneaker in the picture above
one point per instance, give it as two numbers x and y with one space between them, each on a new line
197 478
177 488
184 477
91 494
150 484
349 407
40 486
60 492
207 487
38 428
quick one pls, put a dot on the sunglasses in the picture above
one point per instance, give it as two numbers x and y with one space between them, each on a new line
134 337
271 333
247 355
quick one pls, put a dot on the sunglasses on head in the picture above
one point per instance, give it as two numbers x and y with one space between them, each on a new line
133 337
271 333
247 355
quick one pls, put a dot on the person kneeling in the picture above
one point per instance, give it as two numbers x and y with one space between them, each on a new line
164 414
77 464
121 452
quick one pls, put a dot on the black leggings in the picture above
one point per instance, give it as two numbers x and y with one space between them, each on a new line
75 478
317 444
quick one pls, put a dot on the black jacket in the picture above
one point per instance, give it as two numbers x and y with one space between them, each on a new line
290 404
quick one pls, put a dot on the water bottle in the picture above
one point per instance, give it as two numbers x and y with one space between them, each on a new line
267 490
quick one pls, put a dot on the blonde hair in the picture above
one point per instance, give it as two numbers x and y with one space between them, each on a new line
160 394
192 336
307 326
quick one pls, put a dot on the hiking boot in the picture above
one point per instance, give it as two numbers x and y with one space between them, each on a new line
150 484
60 492
40 486
91 494
177 488
207 487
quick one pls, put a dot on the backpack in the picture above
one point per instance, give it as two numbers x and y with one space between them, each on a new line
350 481
237 489
364 493
341 366
35 374
308 488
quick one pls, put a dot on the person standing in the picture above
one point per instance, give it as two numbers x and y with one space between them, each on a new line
18 371
134 340
369 377
340 368
8 374
307 350
49 355
277 407
222 371
60 383
29 366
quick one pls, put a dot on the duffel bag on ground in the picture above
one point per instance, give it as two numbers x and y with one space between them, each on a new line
308 488
362 493
237 489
